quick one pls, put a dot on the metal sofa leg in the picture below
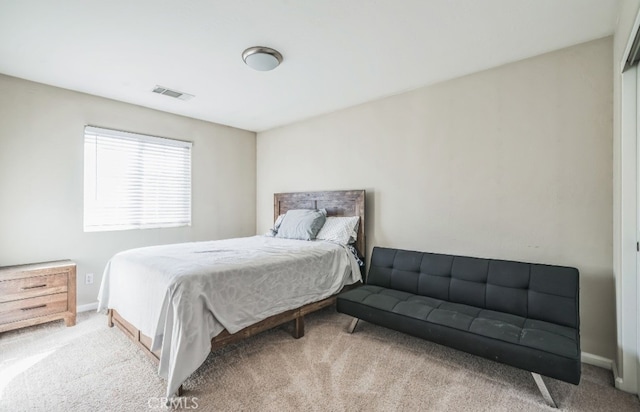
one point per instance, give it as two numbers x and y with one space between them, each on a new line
353 325
543 389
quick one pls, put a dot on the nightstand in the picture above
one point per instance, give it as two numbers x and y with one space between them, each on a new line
37 293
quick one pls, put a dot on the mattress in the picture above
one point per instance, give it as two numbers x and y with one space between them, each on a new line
185 294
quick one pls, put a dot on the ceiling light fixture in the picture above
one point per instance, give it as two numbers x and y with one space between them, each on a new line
262 58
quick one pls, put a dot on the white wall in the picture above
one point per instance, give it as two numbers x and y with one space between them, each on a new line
41 178
513 162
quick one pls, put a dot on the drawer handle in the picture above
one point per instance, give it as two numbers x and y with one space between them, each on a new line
34 287
34 307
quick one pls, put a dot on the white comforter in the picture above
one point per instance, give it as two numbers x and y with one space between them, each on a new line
183 295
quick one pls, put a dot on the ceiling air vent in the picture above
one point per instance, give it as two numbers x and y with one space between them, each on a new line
172 93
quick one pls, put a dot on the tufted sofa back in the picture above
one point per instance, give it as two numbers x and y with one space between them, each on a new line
542 292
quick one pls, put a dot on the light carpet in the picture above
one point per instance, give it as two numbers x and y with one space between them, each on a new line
90 367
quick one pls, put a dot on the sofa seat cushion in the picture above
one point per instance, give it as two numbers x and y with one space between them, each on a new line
536 334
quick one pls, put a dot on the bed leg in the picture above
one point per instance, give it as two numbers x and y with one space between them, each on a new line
543 389
298 327
352 326
110 318
170 401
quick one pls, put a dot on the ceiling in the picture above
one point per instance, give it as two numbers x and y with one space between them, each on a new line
337 53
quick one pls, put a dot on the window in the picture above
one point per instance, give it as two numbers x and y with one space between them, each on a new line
134 181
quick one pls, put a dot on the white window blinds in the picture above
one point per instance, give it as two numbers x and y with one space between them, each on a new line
134 181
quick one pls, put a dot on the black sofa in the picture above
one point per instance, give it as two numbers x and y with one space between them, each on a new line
521 314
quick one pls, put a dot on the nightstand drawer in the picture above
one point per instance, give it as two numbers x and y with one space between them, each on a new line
34 286
32 307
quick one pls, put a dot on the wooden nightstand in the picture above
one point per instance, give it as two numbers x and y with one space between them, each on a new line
37 293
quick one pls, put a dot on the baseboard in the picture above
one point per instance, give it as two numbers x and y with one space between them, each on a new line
617 379
87 307
599 361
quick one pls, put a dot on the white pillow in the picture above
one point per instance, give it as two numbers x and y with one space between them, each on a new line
274 230
342 230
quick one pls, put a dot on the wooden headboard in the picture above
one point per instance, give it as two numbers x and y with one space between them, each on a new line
337 203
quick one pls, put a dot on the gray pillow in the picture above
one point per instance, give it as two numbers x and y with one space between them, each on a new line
303 224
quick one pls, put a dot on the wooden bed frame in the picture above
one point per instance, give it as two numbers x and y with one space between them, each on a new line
337 203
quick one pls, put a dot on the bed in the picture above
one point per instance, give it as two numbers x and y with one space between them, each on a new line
179 302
